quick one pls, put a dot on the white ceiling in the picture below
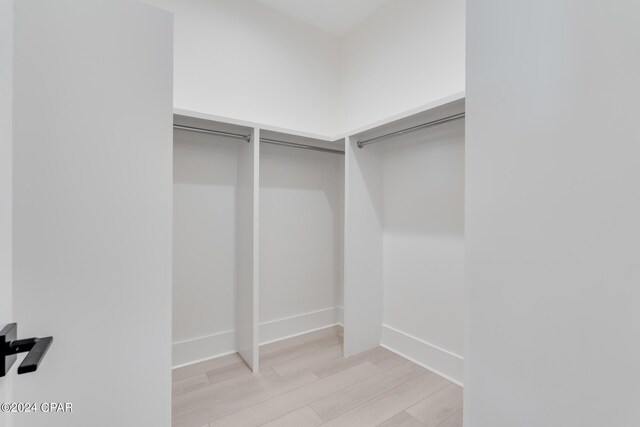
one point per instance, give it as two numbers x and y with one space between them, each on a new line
336 17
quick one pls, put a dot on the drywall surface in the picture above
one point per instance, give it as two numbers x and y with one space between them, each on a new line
301 231
6 192
406 54
92 173
553 203
204 238
244 60
423 244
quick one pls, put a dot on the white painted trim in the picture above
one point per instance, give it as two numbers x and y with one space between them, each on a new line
300 333
329 138
424 342
203 360
278 329
430 356
200 349
435 371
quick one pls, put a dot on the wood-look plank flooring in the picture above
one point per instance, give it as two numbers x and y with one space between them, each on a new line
305 381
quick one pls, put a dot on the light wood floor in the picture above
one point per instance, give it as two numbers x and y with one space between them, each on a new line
305 381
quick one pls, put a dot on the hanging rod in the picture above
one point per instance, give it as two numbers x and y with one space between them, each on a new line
361 144
305 147
247 138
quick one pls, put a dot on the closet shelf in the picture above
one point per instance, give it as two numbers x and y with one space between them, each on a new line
446 110
450 105
415 128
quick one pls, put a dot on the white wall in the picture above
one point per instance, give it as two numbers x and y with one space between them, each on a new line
243 60
92 209
406 54
204 248
301 244
553 203
6 193
423 246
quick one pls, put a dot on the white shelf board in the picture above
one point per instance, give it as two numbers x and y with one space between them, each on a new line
249 124
406 115
406 118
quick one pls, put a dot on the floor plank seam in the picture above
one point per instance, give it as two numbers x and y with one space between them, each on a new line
369 399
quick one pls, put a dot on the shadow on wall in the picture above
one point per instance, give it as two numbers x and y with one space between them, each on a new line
369 163
304 170
423 243
301 230
192 159
423 182
204 234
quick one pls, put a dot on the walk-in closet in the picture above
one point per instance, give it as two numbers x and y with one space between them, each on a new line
318 218
291 234
300 260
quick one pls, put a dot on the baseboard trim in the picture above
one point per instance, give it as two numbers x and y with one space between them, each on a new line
288 327
432 357
201 349
203 360
301 333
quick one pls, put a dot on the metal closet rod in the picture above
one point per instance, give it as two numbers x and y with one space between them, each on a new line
305 147
246 138
411 129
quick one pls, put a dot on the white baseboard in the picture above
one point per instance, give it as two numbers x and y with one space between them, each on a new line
434 358
287 327
223 343
203 348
